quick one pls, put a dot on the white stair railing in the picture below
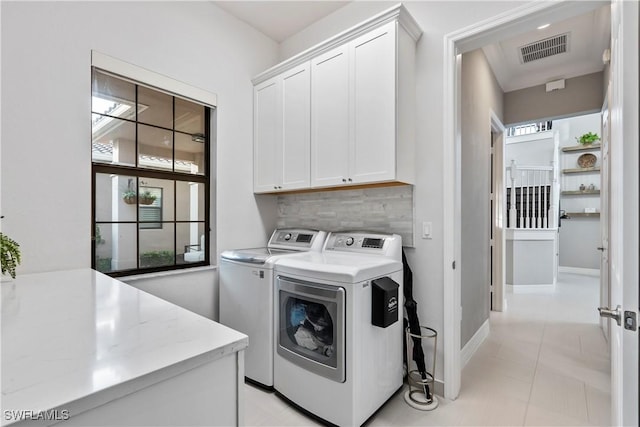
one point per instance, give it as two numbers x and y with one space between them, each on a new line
532 196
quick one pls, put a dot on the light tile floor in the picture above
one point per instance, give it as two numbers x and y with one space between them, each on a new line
545 363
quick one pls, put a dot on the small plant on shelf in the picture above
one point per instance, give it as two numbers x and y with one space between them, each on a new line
588 138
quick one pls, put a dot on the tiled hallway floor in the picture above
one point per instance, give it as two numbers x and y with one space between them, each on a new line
545 363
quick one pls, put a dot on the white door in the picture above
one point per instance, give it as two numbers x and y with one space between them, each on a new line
266 137
623 210
330 118
373 156
296 127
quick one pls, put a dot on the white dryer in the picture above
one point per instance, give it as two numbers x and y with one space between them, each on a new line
246 294
338 317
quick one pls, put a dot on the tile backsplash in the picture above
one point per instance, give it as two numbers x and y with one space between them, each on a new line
383 209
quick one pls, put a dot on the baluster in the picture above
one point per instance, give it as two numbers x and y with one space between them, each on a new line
527 217
540 218
513 210
534 213
545 222
522 200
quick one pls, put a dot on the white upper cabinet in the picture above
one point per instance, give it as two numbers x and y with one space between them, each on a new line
282 132
266 137
373 99
343 112
296 118
330 121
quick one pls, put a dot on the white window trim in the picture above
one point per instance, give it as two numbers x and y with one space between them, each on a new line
153 79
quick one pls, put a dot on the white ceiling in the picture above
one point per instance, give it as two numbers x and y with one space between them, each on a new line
589 35
280 20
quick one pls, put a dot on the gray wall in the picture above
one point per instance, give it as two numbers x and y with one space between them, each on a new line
581 94
481 94
529 262
527 151
384 209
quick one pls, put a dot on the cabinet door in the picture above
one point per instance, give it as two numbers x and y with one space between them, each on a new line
330 118
296 128
373 156
267 165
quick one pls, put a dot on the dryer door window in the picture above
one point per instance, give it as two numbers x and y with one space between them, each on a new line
311 326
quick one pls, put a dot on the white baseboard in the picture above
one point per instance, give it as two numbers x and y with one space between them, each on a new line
531 289
474 343
577 270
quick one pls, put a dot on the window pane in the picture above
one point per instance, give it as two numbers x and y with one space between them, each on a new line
155 148
190 240
155 108
115 197
189 117
112 96
115 247
156 246
157 193
113 140
189 154
150 207
190 201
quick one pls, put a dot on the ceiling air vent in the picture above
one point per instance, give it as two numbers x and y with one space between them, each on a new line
544 48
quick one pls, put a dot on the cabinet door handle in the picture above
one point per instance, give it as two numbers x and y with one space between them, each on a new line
344 180
350 180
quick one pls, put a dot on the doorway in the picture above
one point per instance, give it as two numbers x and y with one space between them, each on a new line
625 101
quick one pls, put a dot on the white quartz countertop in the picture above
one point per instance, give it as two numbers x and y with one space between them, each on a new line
77 339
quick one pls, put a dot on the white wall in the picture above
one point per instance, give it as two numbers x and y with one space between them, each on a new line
579 237
436 19
46 87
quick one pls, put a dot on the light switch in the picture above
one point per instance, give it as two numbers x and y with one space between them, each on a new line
426 230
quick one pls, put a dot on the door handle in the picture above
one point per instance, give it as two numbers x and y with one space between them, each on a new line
600 248
611 314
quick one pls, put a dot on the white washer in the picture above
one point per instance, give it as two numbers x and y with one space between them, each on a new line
330 359
246 294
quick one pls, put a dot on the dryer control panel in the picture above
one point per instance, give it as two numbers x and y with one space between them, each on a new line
371 243
296 239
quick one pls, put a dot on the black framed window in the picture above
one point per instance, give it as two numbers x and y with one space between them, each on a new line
151 175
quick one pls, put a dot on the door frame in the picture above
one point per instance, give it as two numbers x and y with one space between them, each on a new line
524 17
498 220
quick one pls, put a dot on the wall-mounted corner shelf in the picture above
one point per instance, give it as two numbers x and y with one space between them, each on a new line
583 215
581 193
582 170
581 148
